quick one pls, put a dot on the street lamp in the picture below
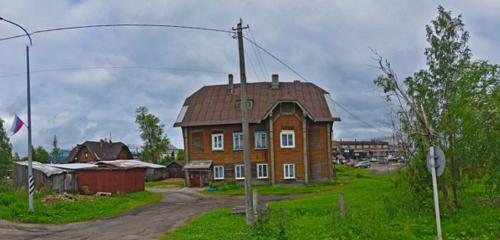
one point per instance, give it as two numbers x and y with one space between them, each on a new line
31 180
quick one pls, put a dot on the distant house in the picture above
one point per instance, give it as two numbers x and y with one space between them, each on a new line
90 151
291 125
172 151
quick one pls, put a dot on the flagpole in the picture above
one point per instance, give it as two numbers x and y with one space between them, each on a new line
31 180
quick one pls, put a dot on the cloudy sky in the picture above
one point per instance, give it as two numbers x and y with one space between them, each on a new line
98 77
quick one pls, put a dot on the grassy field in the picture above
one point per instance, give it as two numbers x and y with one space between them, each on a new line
375 209
167 183
14 205
232 188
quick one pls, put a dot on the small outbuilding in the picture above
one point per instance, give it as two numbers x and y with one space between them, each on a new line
122 176
154 172
174 169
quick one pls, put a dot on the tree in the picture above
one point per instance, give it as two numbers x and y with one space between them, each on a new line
5 151
152 133
453 103
56 151
180 155
41 155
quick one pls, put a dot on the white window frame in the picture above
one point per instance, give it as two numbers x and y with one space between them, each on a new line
221 169
287 132
237 136
257 139
215 146
289 171
241 174
262 174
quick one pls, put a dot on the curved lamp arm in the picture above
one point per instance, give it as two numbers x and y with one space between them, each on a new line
19 26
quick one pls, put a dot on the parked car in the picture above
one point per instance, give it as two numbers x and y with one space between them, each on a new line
363 164
373 159
350 163
383 161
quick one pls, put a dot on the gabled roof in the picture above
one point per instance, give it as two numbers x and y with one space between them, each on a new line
103 150
215 105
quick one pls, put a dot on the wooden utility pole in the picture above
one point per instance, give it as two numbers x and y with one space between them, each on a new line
244 125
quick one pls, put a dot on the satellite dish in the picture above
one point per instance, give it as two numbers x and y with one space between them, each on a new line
440 161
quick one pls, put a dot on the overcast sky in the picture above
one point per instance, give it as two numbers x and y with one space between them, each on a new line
328 42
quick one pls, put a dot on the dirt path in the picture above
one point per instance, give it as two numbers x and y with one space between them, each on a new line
176 208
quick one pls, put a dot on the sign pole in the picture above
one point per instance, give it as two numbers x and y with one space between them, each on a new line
435 191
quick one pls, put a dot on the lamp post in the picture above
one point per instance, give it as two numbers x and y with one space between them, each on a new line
31 180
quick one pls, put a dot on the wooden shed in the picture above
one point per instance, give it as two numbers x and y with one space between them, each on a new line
154 172
111 179
174 169
46 177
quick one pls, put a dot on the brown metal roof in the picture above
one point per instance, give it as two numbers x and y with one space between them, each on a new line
214 105
103 150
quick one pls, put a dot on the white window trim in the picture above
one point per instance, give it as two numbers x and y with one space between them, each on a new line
255 138
242 171
283 132
214 136
241 143
266 172
284 170
215 174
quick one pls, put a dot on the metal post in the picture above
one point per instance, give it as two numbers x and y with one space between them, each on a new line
244 123
31 180
435 191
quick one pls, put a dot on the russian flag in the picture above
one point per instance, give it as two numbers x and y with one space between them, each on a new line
16 125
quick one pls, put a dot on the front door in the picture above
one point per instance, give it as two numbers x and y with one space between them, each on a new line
195 179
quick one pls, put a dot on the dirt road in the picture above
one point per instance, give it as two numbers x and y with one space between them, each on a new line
176 207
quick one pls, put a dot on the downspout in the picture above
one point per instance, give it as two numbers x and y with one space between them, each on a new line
329 150
271 149
186 155
304 143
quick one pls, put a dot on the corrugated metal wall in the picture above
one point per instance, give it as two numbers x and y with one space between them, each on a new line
111 180
63 182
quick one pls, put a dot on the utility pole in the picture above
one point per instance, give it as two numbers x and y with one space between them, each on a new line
31 179
244 125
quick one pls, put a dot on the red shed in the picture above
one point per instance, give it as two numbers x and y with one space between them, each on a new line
113 180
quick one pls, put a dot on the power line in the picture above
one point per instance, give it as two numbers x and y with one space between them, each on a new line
110 67
305 79
120 25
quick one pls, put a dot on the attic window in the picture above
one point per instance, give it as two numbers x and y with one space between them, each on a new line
249 101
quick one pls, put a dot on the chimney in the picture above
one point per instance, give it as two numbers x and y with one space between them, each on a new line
276 82
231 84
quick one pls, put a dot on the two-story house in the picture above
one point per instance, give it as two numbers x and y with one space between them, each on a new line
290 133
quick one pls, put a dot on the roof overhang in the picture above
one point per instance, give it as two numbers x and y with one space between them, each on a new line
198 165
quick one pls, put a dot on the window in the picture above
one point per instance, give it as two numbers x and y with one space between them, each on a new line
289 171
218 172
237 141
197 142
239 171
262 170
260 140
287 139
218 141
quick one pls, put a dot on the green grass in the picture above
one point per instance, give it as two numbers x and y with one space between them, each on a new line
375 209
14 205
233 189
167 183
